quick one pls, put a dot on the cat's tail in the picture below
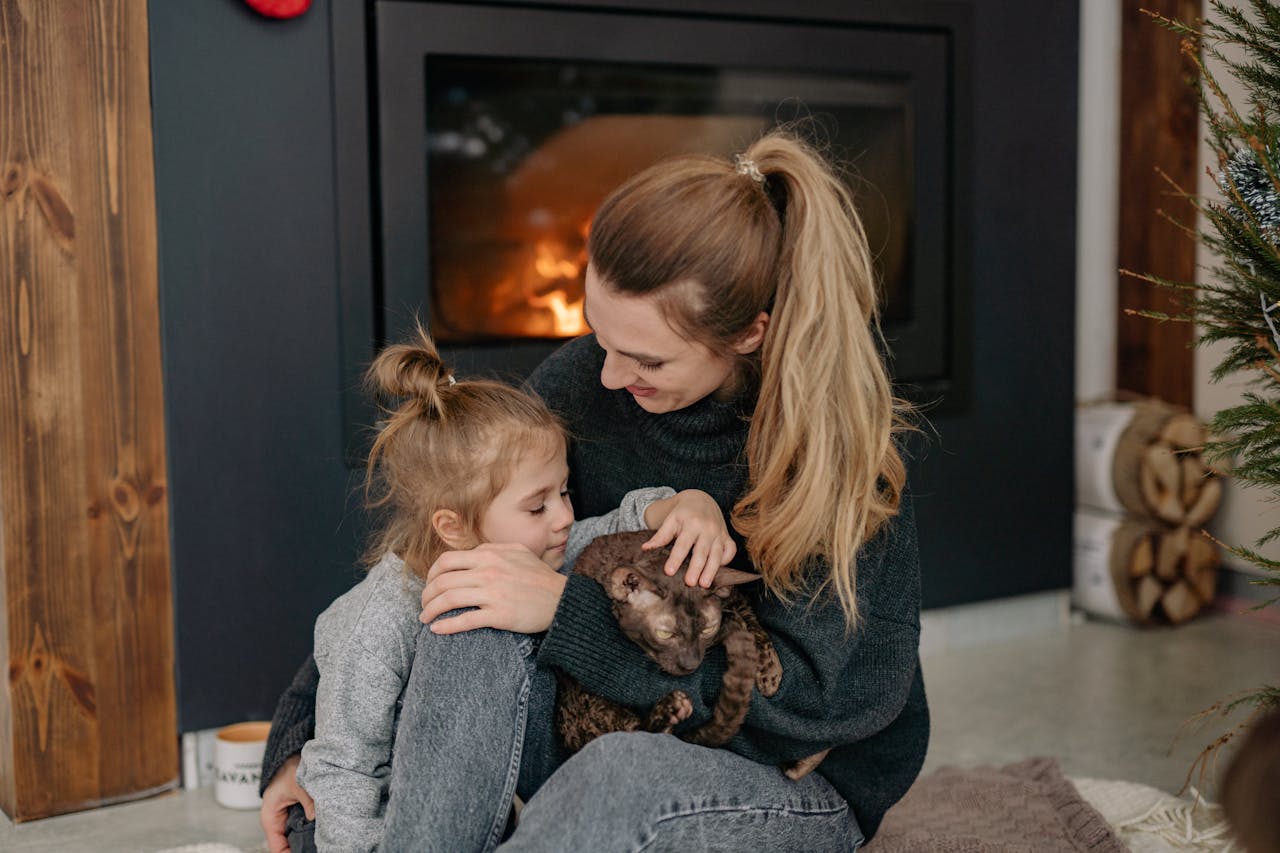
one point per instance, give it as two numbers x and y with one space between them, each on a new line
735 691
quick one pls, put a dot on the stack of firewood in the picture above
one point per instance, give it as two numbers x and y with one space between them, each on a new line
1143 494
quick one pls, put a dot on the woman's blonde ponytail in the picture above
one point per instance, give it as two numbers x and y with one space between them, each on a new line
825 470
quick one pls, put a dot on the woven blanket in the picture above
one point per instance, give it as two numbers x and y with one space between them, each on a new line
1028 807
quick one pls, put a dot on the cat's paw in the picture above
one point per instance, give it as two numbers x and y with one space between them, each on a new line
682 707
671 710
769 677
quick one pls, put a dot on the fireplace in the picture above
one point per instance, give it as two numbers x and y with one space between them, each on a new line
494 131
302 248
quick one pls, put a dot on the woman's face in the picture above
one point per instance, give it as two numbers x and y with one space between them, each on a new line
661 369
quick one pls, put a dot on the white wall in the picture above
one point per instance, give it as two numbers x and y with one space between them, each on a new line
1098 198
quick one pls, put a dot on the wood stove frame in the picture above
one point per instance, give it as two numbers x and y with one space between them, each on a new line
381 169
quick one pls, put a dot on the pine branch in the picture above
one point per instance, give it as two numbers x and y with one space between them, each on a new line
1261 701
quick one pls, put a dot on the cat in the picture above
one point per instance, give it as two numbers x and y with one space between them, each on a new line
674 625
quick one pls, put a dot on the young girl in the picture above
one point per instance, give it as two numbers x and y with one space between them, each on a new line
456 464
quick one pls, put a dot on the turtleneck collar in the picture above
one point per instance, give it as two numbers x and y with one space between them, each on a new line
709 430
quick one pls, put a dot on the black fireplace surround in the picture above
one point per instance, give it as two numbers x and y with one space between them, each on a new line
295 215
429 80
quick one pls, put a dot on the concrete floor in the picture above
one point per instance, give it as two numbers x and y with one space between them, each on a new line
1108 701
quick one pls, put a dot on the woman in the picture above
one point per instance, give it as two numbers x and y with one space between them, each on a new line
735 351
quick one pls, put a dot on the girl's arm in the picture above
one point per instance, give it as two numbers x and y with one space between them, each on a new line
365 644
632 514
347 767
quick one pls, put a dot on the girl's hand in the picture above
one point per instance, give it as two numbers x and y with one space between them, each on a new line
510 587
691 522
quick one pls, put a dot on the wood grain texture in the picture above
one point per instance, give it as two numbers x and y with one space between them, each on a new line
89 716
1159 129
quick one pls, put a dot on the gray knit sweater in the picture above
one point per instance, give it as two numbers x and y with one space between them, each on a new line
862 694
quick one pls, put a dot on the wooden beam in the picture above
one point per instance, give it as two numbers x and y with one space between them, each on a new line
1159 129
89 715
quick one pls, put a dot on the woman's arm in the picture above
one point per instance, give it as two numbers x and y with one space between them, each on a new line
292 726
512 590
836 688
293 723
507 586
280 795
631 514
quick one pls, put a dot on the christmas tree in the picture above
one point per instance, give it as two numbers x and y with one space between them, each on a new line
1239 299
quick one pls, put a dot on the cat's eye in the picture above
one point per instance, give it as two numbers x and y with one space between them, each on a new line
709 630
663 635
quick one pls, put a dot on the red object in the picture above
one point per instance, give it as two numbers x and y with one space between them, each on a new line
280 8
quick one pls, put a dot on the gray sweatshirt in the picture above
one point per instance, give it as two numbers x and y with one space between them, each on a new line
364 648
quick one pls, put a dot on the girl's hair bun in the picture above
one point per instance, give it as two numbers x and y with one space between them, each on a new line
412 370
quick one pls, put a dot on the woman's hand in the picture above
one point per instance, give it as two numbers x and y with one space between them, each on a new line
281 793
692 523
510 587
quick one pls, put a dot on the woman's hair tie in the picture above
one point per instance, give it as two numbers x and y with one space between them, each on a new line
452 381
746 166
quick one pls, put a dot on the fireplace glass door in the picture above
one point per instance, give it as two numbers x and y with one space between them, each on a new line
521 152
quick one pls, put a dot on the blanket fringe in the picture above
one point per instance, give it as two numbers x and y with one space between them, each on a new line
1140 814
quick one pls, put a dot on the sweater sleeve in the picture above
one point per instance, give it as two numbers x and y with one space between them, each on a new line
629 516
347 767
837 688
293 723
365 644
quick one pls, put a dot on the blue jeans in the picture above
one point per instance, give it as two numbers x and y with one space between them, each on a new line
476 728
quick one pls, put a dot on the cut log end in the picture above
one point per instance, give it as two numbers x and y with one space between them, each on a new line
1179 603
1146 597
1184 432
1143 558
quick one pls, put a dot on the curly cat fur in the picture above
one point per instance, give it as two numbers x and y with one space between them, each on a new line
646 599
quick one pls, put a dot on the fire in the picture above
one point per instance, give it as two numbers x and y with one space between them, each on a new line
550 265
533 289
553 263
566 316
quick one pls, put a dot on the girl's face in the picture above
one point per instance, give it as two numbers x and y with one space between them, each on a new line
533 509
662 369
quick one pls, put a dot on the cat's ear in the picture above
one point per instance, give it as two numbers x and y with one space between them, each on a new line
450 527
626 583
728 578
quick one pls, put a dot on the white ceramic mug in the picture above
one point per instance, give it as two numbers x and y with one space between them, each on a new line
237 764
